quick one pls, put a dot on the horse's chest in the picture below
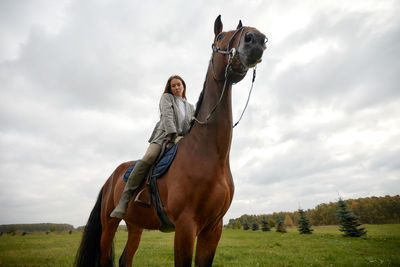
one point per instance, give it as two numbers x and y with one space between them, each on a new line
218 196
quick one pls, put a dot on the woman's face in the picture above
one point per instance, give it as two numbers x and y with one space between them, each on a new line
177 87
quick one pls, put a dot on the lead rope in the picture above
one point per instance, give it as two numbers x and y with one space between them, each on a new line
248 97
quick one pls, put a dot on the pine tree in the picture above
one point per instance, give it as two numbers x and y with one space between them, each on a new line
255 226
304 223
271 222
264 224
348 221
238 224
246 225
279 225
288 221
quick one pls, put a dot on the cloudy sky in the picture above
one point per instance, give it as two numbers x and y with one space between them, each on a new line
80 83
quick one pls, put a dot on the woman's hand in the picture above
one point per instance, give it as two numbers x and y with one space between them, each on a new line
178 138
170 137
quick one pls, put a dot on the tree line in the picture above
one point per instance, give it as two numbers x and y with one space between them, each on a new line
348 222
46 227
370 210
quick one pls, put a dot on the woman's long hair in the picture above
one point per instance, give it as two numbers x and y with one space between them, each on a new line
168 85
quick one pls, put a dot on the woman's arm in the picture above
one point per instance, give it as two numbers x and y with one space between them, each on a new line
167 114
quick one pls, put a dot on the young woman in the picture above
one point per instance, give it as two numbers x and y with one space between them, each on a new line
176 115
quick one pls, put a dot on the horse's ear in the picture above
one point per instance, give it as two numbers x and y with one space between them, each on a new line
218 25
239 25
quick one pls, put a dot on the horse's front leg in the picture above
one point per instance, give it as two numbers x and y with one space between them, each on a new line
184 242
207 243
109 228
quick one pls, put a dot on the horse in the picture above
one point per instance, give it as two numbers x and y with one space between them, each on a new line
198 188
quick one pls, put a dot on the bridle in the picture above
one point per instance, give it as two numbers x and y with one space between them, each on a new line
231 53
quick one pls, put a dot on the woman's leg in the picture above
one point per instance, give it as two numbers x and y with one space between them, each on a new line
136 177
152 153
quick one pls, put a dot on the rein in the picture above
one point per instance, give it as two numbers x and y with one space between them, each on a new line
248 97
231 53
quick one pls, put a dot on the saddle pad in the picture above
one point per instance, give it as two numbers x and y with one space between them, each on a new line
161 167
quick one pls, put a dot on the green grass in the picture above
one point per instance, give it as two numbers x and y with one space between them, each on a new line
325 247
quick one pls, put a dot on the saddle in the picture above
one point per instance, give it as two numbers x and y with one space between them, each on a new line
149 194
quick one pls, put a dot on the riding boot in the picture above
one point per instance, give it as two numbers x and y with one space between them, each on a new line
135 179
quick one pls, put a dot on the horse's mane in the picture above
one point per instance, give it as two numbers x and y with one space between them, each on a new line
200 101
198 104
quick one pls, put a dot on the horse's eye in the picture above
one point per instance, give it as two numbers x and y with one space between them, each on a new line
219 38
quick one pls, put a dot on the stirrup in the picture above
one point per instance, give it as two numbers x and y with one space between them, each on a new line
166 145
145 204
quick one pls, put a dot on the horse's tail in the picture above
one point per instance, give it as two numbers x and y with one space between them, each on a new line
89 251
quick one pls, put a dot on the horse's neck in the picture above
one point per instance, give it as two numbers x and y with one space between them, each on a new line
215 137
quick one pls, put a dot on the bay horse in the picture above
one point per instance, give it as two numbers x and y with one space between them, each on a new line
197 189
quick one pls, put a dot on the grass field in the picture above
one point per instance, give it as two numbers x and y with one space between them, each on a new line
325 247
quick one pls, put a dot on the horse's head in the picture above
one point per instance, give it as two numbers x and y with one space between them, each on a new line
234 52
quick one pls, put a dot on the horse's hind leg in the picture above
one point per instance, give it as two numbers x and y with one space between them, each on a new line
207 243
109 226
132 244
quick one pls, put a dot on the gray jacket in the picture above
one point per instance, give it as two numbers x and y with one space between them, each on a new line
170 115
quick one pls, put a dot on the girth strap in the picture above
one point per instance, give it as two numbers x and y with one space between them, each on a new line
154 194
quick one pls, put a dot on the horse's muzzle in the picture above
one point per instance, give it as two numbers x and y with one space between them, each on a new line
251 48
